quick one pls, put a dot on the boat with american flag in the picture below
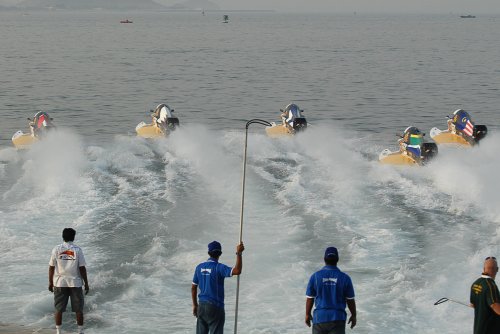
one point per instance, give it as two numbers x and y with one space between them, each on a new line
461 131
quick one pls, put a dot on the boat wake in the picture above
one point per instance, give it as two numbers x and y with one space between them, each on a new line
144 211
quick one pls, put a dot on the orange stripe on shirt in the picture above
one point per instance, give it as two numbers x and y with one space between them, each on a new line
494 300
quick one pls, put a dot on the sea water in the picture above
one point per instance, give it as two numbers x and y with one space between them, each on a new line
145 210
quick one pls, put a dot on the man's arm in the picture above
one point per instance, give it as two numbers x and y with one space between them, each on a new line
309 306
194 290
83 273
493 296
351 304
496 308
239 260
51 278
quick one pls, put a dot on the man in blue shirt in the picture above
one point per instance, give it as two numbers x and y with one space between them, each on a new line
209 278
330 290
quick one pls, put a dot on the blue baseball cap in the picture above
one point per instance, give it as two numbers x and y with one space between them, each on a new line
214 246
331 252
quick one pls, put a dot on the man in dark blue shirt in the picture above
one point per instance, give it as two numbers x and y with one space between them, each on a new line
330 290
209 278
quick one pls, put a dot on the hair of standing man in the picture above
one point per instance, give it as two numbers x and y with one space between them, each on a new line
68 234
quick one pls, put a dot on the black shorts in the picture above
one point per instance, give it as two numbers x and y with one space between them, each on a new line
332 327
61 296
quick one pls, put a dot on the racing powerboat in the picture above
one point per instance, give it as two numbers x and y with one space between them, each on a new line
292 121
461 131
39 126
412 150
162 124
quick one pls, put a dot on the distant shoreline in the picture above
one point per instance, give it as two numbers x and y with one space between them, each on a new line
167 10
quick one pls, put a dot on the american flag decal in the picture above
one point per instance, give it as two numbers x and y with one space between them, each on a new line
469 128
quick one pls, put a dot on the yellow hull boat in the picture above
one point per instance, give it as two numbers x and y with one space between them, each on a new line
428 151
396 158
461 131
292 122
39 125
276 131
162 124
149 130
448 137
23 140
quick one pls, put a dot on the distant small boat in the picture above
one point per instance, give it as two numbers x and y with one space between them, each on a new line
126 21
225 19
468 16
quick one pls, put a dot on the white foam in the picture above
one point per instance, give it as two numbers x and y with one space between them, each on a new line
145 210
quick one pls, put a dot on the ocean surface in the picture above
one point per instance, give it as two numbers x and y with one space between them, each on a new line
145 211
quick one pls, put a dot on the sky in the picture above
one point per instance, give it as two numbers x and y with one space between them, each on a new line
361 6
349 6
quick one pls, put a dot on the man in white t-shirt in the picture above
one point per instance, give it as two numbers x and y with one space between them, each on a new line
67 273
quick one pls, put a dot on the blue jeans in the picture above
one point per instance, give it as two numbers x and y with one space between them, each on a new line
332 327
210 319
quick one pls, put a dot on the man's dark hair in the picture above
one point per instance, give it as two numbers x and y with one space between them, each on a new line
331 261
68 234
215 253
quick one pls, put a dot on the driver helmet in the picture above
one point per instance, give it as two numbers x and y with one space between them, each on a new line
413 136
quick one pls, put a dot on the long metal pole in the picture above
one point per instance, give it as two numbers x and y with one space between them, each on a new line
262 122
241 228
